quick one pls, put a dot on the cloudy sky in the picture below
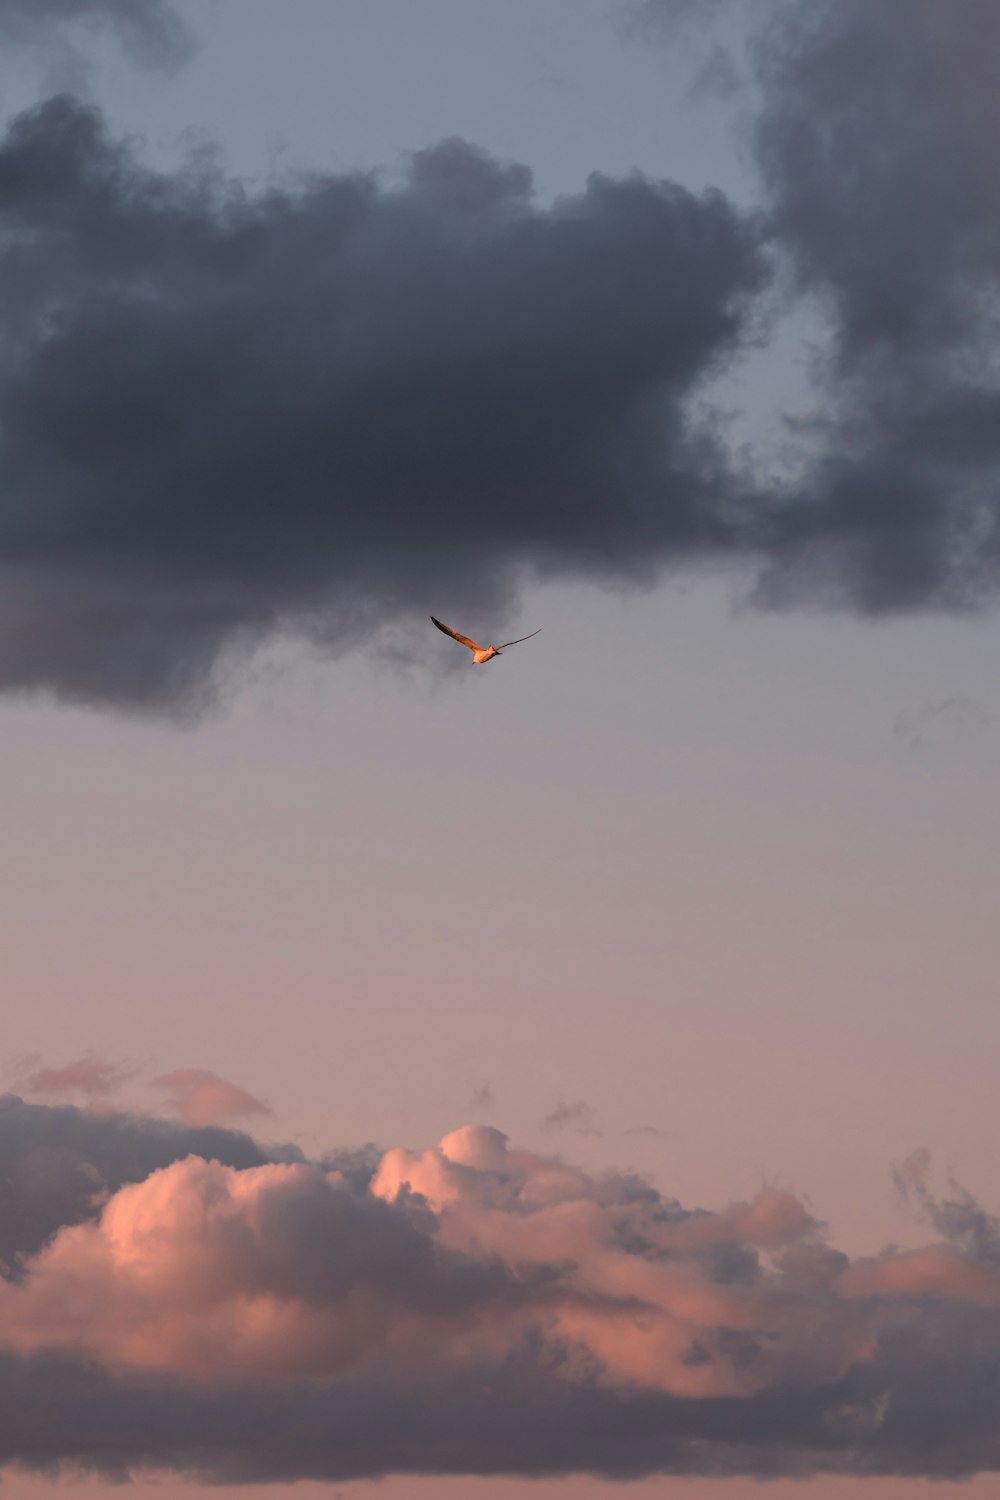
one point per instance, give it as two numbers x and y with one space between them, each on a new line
574 1076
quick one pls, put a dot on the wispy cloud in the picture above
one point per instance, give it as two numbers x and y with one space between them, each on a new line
92 1075
197 1095
578 1116
201 1097
941 719
150 30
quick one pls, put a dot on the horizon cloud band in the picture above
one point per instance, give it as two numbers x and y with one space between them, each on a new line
467 1309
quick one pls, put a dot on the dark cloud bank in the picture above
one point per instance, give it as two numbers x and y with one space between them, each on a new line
330 405
188 1300
326 405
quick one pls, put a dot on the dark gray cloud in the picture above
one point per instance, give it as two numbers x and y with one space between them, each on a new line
938 1418
57 1165
341 404
337 403
876 140
877 143
150 29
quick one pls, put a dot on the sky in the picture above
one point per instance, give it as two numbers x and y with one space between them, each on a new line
572 1076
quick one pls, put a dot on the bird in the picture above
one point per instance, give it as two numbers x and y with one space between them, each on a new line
481 654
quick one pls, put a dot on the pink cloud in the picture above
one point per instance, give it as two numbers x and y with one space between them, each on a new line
938 1271
283 1271
91 1074
452 1267
201 1097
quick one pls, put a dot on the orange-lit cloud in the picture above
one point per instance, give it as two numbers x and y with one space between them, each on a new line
201 1097
470 1273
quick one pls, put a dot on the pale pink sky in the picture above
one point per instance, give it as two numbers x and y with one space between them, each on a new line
707 891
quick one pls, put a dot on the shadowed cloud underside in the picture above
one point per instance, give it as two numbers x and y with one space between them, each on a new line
186 1299
313 408
318 407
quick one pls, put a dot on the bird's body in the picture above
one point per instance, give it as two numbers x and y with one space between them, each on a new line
480 654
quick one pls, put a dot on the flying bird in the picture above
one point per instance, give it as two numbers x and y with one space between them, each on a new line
481 653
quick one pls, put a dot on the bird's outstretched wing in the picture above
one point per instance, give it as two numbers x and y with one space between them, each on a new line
519 639
462 639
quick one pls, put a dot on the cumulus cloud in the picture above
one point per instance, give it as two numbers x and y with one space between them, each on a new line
201 1097
333 374
320 407
475 1308
58 1166
325 408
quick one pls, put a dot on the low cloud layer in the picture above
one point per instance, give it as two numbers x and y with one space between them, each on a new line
238 1314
